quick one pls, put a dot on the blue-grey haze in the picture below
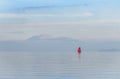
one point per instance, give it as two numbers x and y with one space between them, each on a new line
39 44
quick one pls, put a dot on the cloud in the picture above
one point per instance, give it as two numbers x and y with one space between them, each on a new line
88 14
84 14
38 7
17 32
59 23
23 15
42 0
27 9
76 23
90 23
11 15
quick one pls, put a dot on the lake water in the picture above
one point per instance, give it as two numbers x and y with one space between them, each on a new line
59 65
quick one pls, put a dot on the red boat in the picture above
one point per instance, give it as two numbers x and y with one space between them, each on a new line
79 50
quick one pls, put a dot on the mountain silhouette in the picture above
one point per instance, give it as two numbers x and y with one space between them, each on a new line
47 43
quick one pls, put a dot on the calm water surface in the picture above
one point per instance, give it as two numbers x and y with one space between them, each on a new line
59 65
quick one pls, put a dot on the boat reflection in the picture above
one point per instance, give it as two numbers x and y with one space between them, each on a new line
79 55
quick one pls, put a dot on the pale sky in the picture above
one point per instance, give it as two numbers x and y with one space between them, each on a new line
78 19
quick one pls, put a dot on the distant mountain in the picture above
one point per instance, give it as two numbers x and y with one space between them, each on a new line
47 37
39 37
41 43
46 43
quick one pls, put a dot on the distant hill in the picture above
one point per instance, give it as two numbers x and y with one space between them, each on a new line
41 44
49 44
